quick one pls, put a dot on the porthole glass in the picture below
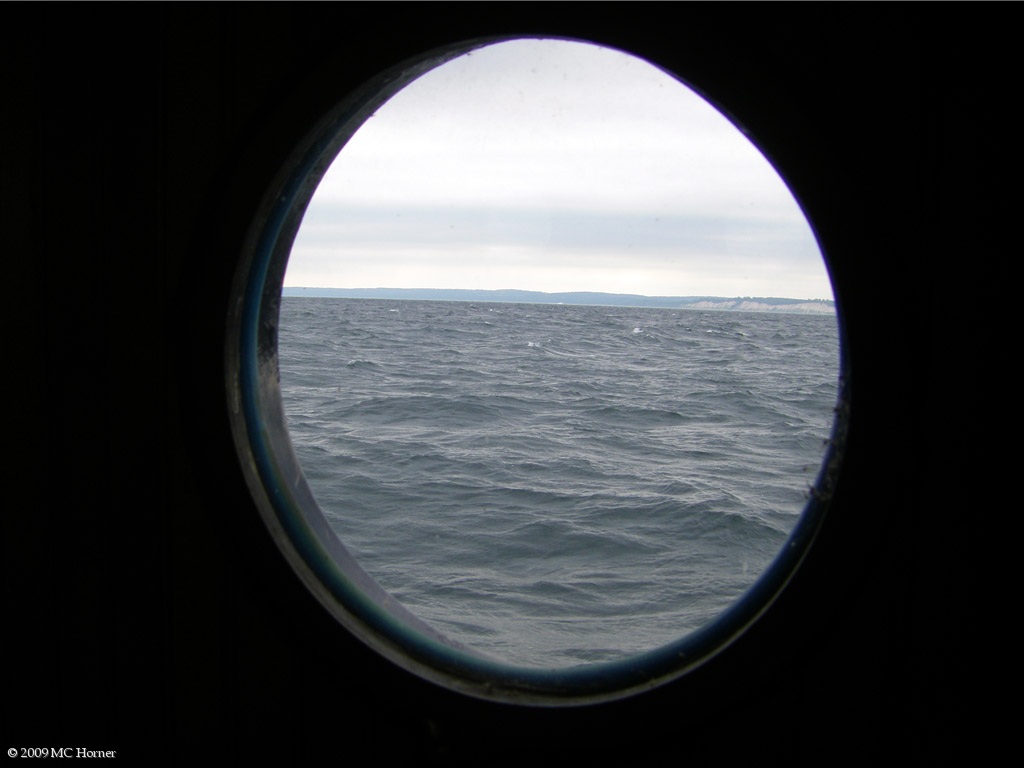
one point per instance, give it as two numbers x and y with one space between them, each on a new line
537 369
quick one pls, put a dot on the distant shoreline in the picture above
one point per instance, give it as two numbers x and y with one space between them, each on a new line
718 303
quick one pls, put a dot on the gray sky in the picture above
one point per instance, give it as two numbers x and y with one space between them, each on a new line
555 166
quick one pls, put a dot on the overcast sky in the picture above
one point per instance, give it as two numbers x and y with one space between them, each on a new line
555 166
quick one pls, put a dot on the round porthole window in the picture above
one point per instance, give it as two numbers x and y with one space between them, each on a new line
534 371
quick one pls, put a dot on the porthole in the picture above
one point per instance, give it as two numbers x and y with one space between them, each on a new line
658 504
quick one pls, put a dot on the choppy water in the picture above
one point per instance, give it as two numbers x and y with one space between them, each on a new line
556 484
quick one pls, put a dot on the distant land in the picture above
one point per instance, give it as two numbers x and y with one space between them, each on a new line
742 304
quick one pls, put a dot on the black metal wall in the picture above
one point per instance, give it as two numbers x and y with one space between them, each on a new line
146 608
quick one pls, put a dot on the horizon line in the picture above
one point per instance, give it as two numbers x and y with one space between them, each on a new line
554 293
507 291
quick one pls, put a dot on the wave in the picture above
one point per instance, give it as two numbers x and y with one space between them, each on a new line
558 484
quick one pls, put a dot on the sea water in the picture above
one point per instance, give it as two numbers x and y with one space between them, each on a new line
555 485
